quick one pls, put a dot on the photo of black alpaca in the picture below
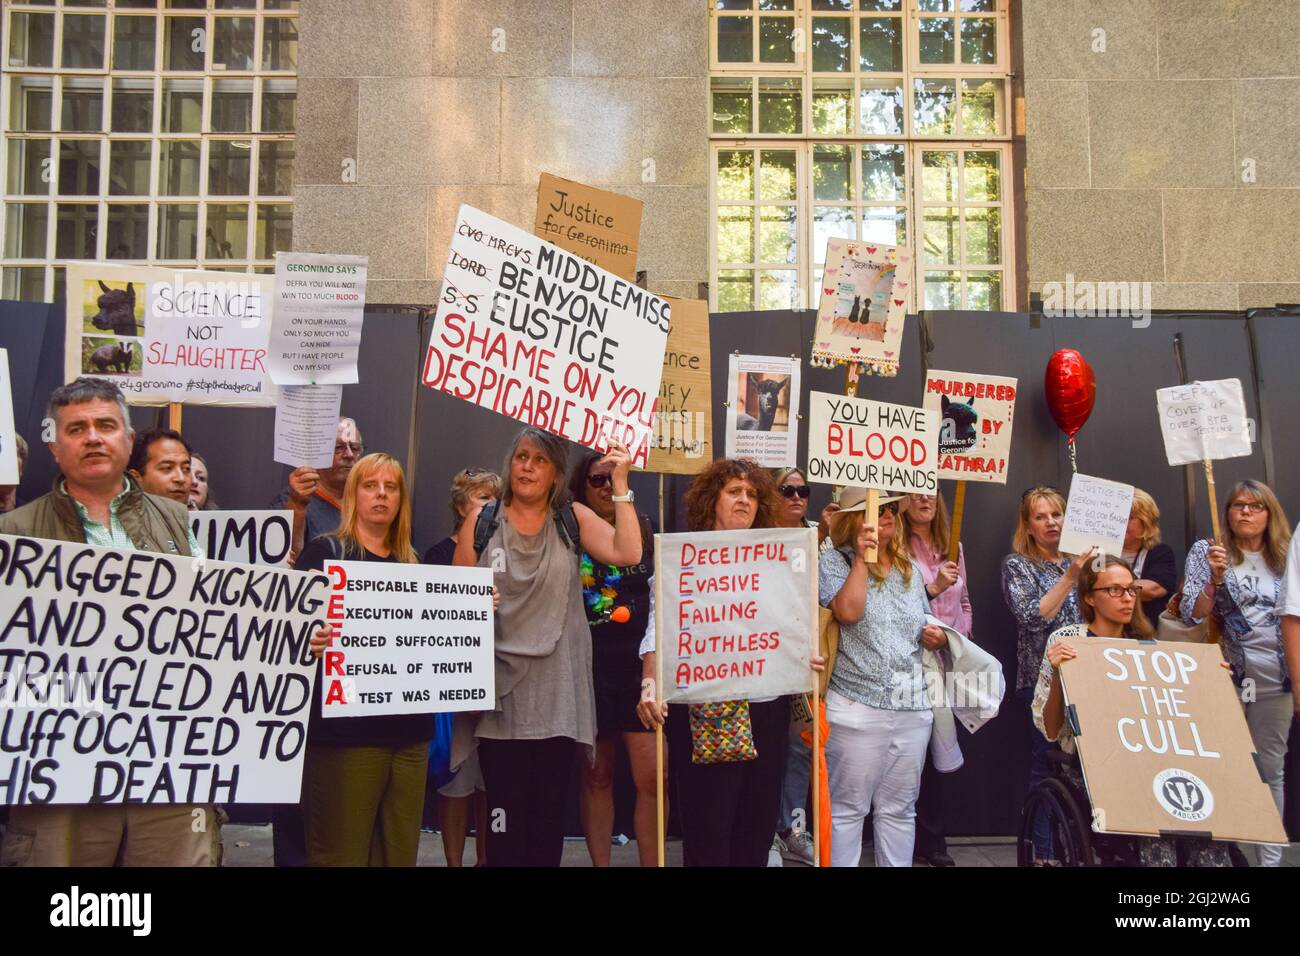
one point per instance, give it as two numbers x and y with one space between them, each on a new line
118 357
116 311
769 392
957 430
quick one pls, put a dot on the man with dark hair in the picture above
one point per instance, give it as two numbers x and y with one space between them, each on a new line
314 496
160 461
94 502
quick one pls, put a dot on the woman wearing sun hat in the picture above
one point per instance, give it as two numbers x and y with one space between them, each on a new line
879 713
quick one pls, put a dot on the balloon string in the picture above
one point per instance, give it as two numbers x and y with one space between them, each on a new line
1074 458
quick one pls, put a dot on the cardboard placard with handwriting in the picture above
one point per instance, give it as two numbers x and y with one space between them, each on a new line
594 224
682 442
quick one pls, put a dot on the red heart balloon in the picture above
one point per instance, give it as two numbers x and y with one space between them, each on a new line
1071 390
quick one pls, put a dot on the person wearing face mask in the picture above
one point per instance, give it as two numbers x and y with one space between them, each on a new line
1240 583
1038 585
201 497
1107 595
160 461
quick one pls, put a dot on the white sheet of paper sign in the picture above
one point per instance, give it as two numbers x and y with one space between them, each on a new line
306 425
8 440
1096 515
316 324
1203 421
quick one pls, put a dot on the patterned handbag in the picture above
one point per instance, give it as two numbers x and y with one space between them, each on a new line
721 732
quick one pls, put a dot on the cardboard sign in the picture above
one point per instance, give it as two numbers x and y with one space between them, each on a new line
8 433
763 409
594 224
171 335
134 677
1163 742
1096 515
862 304
866 444
683 439
316 328
538 335
413 639
1204 421
248 537
307 424
976 413
736 613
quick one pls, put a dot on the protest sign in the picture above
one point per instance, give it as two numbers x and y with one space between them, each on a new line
1203 421
763 409
537 334
136 677
170 335
306 425
413 639
866 444
1096 515
1164 746
684 413
594 224
736 613
861 305
975 418
248 537
316 323
8 433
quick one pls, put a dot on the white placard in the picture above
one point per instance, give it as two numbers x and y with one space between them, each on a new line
738 612
537 334
866 444
320 303
1203 421
159 679
8 433
1096 515
247 537
307 425
763 409
976 414
413 639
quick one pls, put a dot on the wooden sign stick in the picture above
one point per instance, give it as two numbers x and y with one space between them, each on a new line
1214 501
958 509
872 516
174 416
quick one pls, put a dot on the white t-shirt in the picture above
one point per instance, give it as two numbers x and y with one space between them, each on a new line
1258 585
1289 599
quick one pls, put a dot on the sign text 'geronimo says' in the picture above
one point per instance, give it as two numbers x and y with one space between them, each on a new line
535 333
854 441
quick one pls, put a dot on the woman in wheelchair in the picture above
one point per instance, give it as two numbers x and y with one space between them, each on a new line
1108 602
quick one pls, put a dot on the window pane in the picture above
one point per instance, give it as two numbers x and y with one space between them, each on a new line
832 4
279 43
232 47
60 285
828 222
942 243
881 107
735 39
79 167
83 105
776 39
141 4
934 6
76 231
178 168
128 168
28 171
227 235
133 43
25 284
83 41
735 174
275 168
939 176
128 231
184 47
880 44
981 107
186 4
280 4
983 236
735 290
274 230
885 224
883 172
983 176
934 107
31 40
733 104
777 239
25 225
880 5
182 106
936 39
831 46
832 173
832 107
979 6
278 100
735 234
132 106
779 175
979 40
778 290
984 291
229 163
232 106
780 105
30 99
943 290
178 231
235 4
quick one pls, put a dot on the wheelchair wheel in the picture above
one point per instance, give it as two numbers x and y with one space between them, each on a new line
1066 819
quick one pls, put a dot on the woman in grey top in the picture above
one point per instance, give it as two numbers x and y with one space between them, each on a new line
545 703
876 703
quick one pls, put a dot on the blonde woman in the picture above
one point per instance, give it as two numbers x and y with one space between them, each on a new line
1152 562
363 777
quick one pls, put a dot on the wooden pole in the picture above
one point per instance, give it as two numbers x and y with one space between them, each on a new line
661 501
659 728
174 416
1214 501
872 516
958 509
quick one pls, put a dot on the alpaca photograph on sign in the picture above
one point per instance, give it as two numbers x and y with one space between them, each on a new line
763 409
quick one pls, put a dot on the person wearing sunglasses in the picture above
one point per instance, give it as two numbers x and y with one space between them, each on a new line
1239 583
879 713
1108 596
792 511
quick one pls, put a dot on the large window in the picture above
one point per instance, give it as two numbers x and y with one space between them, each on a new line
152 131
881 120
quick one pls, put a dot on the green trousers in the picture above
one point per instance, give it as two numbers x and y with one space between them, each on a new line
362 805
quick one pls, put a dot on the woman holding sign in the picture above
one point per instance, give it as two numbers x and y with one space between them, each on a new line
363 777
1151 561
1238 582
